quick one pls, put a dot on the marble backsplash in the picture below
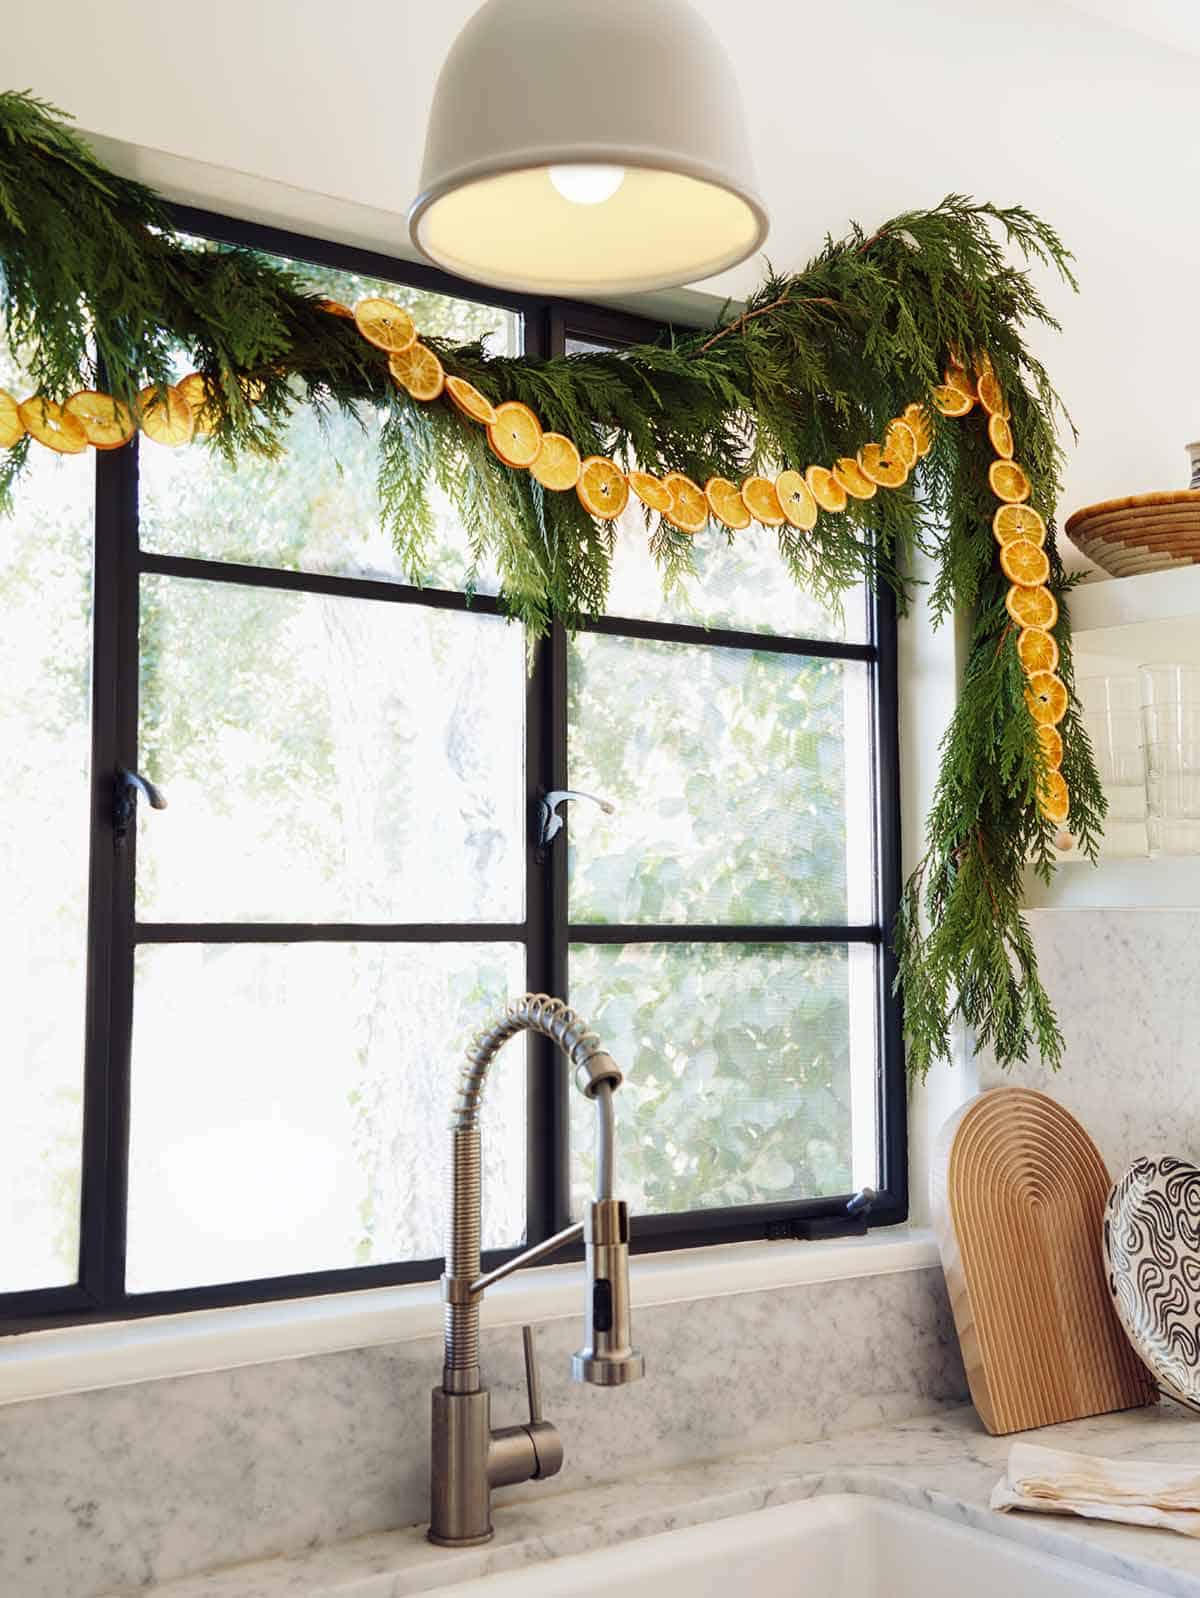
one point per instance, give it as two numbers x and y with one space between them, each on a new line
134 1484
1126 986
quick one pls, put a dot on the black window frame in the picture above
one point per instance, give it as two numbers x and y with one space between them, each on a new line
113 935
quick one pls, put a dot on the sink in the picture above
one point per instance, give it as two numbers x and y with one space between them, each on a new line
843 1545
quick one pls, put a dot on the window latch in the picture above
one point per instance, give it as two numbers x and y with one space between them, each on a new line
126 787
852 1222
550 822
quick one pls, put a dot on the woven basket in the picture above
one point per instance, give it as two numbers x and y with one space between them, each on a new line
1144 533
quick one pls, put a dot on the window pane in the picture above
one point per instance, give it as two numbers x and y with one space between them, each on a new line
291 1103
45 673
741 781
740 581
328 759
749 1071
316 507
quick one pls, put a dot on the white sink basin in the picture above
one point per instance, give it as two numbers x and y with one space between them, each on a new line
841 1546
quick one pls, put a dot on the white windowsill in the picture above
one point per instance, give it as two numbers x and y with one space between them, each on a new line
77 1359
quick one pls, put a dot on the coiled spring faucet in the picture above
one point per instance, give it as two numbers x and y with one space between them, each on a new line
469 1458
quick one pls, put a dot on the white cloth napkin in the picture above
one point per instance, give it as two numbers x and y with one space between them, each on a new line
1137 1493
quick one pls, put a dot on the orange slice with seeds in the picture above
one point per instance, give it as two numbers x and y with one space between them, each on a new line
1054 797
762 501
900 443
1046 696
166 416
476 407
951 401
602 489
1024 563
1032 607
1052 746
1037 650
853 479
336 308
689 508
796 500
516 434
198 392
889 471
651 490
1018 521
726 503
921 427
1001 436
825 488
385 324
1009 481
12 427
557 464
52 426
418 371
106 421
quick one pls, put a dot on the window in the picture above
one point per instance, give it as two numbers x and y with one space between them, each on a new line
235 1032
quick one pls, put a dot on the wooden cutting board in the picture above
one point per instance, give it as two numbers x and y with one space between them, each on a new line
1018 1192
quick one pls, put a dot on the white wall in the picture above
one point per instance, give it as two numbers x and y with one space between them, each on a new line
858 110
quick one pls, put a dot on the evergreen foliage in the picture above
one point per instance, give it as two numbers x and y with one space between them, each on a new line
98 290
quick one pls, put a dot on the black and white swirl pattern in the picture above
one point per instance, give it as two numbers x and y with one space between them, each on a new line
1152 1254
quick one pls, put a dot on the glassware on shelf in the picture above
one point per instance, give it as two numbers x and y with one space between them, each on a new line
1113 722
1170 697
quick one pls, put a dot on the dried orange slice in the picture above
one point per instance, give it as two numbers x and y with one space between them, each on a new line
1037 650
951 401
52 426
726 503
335 308
652 491
1031 607
1052 746
991 395
1024 563
1054 797
1046 696
918 421
889 471
853 479
900 442
689 508
418 371
198 392
106 421
516 434
1000 434
1009 481
795 500
825 488
385 324
602 489
476 407
11 426
166 416
557 464
762 501
957 376
1018 521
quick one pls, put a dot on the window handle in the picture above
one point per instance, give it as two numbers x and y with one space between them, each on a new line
550 823
126 787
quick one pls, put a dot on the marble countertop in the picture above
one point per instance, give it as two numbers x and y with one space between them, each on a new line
946 1464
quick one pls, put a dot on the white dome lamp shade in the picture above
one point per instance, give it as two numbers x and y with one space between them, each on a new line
585 147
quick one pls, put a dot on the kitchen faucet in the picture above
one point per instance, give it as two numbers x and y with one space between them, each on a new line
469 1458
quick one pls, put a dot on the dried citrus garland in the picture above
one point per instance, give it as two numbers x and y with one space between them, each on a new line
177 414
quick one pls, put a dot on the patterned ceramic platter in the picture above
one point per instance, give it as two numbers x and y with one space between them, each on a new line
1152 1253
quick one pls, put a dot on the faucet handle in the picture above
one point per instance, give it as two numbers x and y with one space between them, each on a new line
533 1380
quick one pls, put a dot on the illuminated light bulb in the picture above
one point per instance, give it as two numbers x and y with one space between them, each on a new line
587 185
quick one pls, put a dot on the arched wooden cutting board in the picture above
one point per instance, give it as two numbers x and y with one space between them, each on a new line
1018 1191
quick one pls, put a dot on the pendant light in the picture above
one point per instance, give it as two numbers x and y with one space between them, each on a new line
585 147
